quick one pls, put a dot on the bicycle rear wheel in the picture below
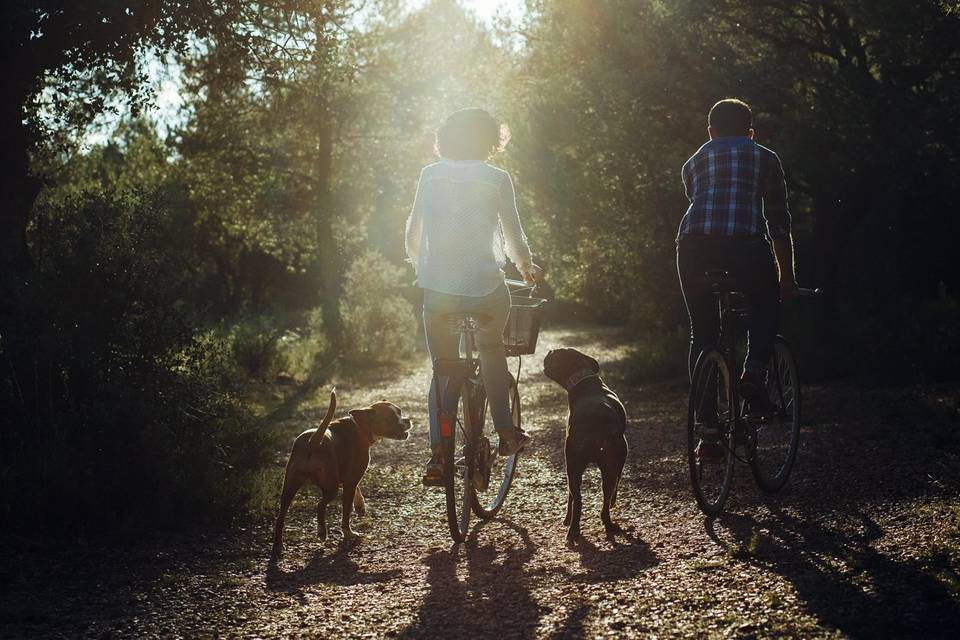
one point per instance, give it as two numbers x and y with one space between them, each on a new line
778 435
494 472
458 467
711 403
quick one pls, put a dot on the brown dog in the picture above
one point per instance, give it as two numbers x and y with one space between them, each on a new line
334 457
594 433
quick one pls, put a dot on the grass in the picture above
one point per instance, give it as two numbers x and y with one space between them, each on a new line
749 549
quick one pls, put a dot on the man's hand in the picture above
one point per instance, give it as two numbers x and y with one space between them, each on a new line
789 289
531 273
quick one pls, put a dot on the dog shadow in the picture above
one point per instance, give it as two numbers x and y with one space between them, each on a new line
827 564
625 556
336 568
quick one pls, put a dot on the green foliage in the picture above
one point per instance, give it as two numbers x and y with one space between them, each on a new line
305 348
658 357
255 343
139 424
379 325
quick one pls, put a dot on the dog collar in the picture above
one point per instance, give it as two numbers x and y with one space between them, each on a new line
363 431
578 377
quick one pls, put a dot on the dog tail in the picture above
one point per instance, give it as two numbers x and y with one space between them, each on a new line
322 427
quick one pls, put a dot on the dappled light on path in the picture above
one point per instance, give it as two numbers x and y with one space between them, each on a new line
867 550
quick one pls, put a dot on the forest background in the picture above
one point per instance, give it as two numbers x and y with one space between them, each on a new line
162 270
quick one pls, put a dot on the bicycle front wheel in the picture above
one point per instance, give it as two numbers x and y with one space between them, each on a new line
494 472
710 418
458 466
778 435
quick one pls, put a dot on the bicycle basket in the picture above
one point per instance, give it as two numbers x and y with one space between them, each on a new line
523 325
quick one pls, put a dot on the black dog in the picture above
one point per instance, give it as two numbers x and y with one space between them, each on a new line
594 432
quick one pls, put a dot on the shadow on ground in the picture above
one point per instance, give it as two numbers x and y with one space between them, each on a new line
843 580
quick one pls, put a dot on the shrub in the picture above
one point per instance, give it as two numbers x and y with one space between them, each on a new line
303 348
129 419
255 343
378 323
659 357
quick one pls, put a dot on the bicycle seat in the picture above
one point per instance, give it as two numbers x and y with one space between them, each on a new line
719 281
458 368
457 316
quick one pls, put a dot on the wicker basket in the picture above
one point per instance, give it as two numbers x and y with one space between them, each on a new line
523 325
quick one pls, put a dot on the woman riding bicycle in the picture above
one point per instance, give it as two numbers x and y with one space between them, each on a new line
463 225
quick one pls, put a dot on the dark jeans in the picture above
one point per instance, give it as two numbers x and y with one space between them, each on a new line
750 261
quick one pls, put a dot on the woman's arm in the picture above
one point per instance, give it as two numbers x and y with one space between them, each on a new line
415 225
516 246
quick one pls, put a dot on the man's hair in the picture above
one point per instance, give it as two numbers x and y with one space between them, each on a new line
471 134
730 117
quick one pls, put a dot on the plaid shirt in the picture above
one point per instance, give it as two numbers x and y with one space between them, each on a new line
736 188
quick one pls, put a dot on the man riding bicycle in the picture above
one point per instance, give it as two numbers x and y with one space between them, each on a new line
738 210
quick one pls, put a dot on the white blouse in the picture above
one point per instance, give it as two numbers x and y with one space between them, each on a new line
464 222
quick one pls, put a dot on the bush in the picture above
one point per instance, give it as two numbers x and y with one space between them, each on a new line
255 343
128 418
659 357
303 348
378 323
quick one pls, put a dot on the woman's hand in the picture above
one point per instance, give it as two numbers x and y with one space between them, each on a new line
531 273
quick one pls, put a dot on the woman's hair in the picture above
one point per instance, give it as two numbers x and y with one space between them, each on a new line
471 134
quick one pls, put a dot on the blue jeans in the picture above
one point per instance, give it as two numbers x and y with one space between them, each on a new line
443 341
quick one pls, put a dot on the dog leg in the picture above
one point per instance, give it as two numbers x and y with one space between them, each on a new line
611 468
574 482
359 504
621 453
349 491
290 487
566 518
326 497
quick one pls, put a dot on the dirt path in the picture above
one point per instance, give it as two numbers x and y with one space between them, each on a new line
863 543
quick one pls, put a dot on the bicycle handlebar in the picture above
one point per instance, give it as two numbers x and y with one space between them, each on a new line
515 286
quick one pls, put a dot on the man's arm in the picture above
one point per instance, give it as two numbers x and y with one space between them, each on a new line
783 252
779 223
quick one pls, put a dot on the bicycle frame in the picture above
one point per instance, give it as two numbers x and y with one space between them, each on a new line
731 326
447 398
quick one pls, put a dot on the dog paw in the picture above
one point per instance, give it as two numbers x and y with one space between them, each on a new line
613 530
573 537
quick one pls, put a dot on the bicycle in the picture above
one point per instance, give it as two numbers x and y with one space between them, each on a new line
475 478
769 440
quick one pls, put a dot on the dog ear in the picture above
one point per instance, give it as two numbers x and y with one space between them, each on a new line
595 364
363 416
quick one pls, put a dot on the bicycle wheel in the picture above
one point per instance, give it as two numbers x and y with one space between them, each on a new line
711 403
778 436
458 468
494 472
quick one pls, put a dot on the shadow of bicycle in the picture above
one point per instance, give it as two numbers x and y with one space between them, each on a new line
840 575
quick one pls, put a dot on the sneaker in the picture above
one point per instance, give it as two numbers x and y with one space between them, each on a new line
512 441
755 394
433 472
